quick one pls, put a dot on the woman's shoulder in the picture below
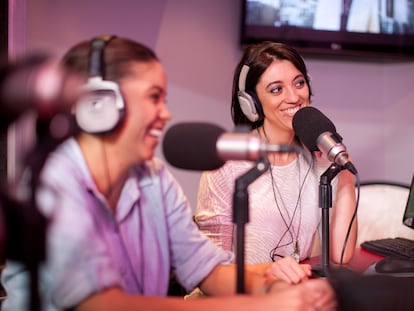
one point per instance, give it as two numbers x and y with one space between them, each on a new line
64 163
234 166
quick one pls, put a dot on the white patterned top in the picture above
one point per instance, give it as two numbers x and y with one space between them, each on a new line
268 226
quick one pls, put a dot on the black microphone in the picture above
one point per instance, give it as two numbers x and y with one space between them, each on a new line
318 133
205 146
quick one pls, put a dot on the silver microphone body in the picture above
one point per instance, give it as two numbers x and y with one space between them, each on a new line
205 146
236 146
334 149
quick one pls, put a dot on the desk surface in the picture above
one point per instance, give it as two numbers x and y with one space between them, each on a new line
361 260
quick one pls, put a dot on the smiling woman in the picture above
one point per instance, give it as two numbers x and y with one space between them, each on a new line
271 83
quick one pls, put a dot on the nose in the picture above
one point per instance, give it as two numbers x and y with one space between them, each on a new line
292 95
164 112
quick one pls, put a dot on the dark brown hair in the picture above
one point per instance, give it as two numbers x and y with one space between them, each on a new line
118 54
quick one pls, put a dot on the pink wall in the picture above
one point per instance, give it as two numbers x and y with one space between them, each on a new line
371 103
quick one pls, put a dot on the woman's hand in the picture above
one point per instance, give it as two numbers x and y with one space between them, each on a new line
288 270
310 295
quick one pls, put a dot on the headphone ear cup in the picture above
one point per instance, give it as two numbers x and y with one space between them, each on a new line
101 108
251 106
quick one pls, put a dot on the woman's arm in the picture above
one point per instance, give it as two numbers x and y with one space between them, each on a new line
344 207
214 212
222 281
311 295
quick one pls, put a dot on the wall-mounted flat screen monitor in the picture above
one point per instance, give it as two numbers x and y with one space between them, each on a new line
341 27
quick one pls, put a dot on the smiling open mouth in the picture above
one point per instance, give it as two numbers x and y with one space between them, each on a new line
291 110
155 132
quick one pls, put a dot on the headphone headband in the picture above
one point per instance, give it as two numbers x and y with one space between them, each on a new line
242 77
96 59
250 106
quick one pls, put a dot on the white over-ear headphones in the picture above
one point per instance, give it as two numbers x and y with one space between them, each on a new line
101 107
249 103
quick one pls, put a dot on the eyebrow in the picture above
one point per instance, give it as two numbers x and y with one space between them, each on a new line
157 88
279 81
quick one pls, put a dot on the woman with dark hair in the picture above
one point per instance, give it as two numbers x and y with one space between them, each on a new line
119 222
258 58
271 83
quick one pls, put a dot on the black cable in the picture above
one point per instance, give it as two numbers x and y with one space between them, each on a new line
273 251
358 183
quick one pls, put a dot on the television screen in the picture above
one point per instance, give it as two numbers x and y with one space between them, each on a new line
342 27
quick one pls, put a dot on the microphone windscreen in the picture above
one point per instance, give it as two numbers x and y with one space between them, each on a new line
192 146
308 123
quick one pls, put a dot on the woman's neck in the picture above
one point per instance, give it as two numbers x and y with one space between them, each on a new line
278 137
107 172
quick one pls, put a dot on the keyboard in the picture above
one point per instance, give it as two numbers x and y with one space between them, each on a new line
401 248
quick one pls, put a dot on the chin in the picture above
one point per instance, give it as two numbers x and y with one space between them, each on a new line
149 156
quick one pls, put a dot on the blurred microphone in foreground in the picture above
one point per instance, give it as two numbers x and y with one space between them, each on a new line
318 133
36 83
205 146
37 96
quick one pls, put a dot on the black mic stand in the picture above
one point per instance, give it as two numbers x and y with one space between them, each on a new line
26 225
241 213
325 203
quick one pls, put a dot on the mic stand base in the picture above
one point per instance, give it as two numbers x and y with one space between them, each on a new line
319 271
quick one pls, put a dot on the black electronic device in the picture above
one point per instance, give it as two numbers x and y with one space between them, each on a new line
379 292
394 265
399 251
408 218
398 247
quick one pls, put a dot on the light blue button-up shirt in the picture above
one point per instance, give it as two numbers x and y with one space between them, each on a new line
90 248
